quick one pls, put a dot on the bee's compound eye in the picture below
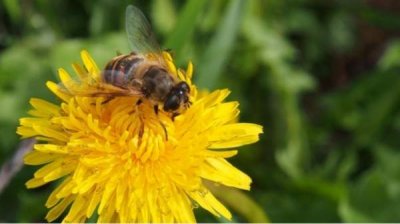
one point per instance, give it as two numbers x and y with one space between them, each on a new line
184 87
171 103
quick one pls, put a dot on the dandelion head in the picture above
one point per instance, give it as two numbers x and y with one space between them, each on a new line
121 160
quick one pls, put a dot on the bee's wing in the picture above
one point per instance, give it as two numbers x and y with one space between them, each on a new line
91 87
140 35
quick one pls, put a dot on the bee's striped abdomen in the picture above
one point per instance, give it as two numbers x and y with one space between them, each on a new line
122 69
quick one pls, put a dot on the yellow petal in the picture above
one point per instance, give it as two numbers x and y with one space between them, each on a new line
223 113
207 200
51 132
56 90
120 196
79 70
215 97
44 106
32 121
152 207
26 132
107 214
221 171
234 135
50 148
109 191
60 172
189 71
64 76
57 210
66 190
78 209
94 201
171 67
181 207
35 182
53 199
48 168
167 56
222 154
89 63
38 158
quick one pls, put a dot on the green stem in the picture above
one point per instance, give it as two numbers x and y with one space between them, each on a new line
239 202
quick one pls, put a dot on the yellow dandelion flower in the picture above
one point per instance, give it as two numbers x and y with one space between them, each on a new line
114 159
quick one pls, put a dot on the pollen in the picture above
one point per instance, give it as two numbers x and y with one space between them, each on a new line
118 158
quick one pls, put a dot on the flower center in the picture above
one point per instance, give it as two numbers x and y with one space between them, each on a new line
122 128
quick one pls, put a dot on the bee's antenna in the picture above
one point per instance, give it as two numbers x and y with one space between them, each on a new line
169 50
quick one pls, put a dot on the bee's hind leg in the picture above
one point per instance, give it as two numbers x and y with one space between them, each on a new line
107 100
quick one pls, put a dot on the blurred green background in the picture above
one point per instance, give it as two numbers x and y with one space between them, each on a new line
322 77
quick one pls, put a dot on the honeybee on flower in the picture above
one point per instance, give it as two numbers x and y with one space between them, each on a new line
111 152
142 73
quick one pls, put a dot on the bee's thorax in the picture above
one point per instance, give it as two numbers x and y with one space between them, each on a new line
157 83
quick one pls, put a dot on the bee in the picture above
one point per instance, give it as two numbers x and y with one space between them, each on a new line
142 73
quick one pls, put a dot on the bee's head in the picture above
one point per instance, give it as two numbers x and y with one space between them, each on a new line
177 96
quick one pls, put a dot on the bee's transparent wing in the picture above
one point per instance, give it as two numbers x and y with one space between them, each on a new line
140 35
91 87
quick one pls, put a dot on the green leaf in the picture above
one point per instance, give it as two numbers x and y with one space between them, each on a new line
375 197
106 16
298 207
218 51
286 82
378 110
185 25
97 20
391 58
370 201
163 15
102 49
341 32
13 9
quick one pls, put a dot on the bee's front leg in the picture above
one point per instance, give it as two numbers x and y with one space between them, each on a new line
156 110
174 115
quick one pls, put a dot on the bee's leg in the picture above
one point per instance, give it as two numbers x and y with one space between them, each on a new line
156 109
174 115
107 100
141 130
